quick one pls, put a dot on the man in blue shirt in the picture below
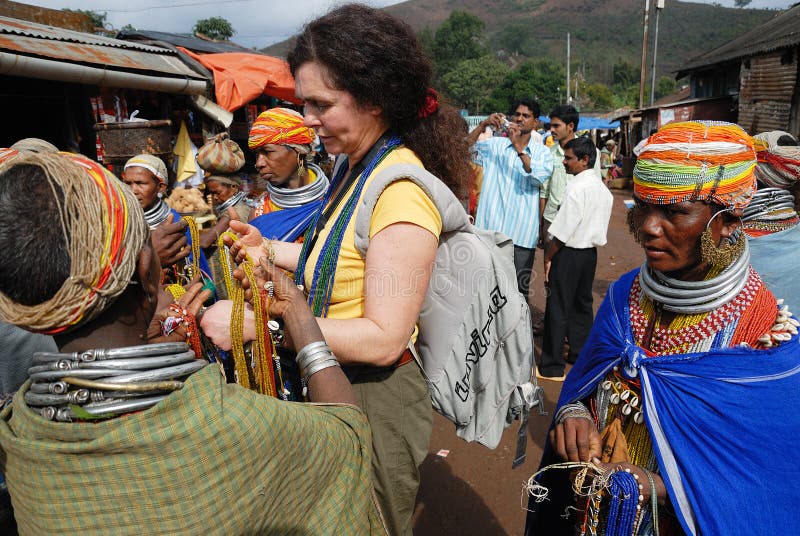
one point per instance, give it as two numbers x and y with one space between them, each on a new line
515 166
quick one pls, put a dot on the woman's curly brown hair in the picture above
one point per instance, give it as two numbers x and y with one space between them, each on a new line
378 60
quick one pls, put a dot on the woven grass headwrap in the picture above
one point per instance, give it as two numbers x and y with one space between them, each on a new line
34 145
696 161
281 126
104 229
778 165
151 163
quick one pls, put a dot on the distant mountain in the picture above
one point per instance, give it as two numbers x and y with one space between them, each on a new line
602 31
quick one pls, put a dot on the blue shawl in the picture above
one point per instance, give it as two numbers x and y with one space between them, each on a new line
286 225
724 423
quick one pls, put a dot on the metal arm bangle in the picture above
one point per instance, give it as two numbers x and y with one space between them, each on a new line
310 347
573 411
309 350
320 357
316 367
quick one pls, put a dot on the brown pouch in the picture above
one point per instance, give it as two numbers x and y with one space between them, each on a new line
615 447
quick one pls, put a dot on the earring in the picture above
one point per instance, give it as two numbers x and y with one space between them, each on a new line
160 195
720 257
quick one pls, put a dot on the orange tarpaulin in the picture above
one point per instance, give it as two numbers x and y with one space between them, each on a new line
240 77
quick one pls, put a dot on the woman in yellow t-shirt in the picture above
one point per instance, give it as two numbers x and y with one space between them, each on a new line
365 82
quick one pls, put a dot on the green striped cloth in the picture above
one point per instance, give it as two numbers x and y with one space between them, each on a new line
212 458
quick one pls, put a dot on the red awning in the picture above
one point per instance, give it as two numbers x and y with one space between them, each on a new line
240 77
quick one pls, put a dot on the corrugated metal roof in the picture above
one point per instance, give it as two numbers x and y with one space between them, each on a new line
37 40
41 31
183 40
780 32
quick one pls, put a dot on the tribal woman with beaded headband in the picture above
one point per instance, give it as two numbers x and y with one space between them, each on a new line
292 186
686 385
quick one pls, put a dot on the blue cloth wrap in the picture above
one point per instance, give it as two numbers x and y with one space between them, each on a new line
723 423
286 225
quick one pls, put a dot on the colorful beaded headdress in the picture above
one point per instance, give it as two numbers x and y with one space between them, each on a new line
104 230
151 163
778 165
696 161
280 126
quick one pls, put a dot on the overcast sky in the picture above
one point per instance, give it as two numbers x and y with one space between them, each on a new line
257 22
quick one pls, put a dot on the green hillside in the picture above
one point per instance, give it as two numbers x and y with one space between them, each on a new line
602 31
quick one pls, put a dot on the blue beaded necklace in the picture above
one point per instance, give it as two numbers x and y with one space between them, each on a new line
319 295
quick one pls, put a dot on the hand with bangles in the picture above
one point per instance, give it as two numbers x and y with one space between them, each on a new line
175 322
575 439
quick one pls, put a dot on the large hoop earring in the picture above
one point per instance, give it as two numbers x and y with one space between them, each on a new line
721 256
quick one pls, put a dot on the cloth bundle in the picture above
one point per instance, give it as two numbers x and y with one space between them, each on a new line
220 155
778 165
696 161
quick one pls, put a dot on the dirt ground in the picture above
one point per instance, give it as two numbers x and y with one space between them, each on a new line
474 491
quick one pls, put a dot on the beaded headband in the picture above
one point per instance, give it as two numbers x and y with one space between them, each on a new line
279 126
696 161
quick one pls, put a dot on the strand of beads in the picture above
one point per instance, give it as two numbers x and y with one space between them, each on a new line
624 503
193 267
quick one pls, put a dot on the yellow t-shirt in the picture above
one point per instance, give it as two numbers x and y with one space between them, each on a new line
402 201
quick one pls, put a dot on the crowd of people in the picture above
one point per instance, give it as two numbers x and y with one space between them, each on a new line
258 375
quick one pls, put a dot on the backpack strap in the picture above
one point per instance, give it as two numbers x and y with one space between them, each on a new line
452 212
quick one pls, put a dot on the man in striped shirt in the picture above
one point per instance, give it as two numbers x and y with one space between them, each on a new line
515 166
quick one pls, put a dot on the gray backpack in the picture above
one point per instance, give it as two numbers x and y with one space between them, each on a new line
475 341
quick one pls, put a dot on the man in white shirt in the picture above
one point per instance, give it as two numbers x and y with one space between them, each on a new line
570 259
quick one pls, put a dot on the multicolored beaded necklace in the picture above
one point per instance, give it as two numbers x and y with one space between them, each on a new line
687 331
319 295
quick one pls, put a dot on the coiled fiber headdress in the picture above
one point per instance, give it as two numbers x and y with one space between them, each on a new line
778 165
281 126
104 231
696 161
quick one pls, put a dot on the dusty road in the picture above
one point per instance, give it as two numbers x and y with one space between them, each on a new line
474 491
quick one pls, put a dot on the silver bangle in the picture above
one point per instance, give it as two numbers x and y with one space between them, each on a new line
318 358
320 365
319 353
309 348
576 410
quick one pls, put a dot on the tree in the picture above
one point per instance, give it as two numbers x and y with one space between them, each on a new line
128 28
471 82
541 80
666 85
600 95
99 20
625 74
215 28
741 3
459 38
